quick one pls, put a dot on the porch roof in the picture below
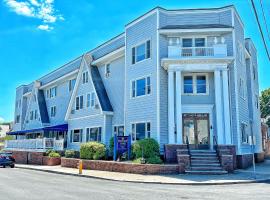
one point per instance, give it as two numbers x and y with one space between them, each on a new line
62 127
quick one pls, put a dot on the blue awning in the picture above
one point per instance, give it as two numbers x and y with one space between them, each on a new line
62 127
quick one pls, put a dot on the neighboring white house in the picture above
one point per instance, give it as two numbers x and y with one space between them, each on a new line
171 75
4 128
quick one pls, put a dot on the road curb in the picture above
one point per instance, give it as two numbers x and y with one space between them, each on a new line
147 182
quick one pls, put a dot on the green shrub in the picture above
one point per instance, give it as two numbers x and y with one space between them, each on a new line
70 154
154 160
54 155
149 146
92 150
49 151
111 146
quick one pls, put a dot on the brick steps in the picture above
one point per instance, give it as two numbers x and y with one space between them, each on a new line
205 162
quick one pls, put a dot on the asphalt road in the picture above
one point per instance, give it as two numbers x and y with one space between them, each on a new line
21 184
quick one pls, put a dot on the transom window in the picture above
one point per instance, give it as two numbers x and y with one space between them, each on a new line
93 134
85 77
195 84
79 103
118 130
141 130
141 87
141 52
71 84
76 135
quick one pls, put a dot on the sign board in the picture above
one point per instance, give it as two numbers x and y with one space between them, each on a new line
122 144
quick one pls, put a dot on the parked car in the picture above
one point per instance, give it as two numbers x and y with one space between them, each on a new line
6 159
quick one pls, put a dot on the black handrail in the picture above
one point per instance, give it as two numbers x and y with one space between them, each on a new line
188 148
216 146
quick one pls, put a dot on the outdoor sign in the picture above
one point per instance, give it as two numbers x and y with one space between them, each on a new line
122 144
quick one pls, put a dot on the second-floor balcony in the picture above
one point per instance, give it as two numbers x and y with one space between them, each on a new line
217 50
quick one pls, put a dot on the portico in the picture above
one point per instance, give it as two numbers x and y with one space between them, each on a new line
198 122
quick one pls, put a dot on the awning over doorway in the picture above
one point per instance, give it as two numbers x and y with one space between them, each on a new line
62 127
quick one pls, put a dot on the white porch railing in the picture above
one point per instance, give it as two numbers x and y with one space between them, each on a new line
35 144
217 50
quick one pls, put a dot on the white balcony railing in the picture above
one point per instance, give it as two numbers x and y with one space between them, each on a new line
35 144
217 50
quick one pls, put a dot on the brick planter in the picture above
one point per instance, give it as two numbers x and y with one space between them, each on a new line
121 166
51 161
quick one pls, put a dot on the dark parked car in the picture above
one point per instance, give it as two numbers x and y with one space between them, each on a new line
6 159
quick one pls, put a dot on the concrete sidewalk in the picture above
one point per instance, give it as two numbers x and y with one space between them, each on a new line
239 176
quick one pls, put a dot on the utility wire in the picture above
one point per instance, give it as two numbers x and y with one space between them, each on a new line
264 19
260 28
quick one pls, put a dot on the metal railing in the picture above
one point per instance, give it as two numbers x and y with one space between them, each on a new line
197 51
188 148
35 144
216 147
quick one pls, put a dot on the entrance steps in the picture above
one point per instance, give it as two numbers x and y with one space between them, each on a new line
205 162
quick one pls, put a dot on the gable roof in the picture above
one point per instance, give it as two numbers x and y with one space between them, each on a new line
44 117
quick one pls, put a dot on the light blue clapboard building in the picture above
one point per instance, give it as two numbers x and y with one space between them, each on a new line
172 75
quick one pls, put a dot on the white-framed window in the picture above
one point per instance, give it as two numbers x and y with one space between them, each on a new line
93 134
141 87
76 135
36 114
53 111
195 84
85 77
17 119
93 99
244 135
52 92
107 70
71 84
141 130
141 52
119 130
242 88
31 115
79 102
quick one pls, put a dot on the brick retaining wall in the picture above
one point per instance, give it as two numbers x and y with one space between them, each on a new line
121 166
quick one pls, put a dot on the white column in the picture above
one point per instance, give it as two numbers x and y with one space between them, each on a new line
219 109
171 122
178 107
226 107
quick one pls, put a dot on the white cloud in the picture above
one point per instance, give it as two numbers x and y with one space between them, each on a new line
21 8
40 9
45 27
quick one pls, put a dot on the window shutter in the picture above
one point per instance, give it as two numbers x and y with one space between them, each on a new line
133 55
148 49
81 131
99 134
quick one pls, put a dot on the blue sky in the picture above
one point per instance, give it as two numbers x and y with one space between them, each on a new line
37 36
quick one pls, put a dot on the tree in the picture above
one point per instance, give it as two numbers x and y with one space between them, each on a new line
265 105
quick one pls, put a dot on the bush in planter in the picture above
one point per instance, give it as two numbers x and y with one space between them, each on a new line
54 155
70 154
154 160
149 146
111 146
92 150
49 151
